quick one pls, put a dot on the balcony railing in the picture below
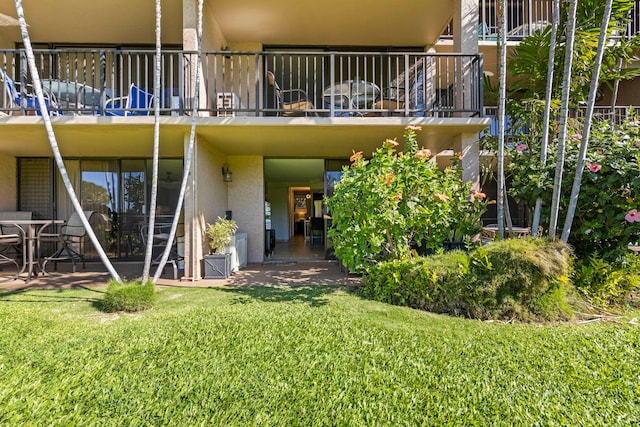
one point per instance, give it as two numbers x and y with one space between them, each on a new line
618 115
523 17
258 84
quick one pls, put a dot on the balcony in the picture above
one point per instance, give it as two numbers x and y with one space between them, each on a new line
523 17
247 84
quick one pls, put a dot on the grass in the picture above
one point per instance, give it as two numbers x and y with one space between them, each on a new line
302 356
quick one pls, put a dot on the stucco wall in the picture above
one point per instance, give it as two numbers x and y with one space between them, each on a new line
246 201
205 200
8 196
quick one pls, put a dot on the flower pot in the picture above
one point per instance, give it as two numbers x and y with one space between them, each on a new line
217 266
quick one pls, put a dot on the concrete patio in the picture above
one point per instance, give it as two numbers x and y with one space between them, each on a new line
268 273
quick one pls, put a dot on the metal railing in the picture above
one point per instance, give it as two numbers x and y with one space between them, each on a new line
259 84
618 115
523 17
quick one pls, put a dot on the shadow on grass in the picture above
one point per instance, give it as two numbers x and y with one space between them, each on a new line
25 296
314 296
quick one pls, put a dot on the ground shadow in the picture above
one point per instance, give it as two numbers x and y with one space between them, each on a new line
314 296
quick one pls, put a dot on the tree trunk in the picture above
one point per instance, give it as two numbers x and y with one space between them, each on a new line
502 101
547 108
575 190
148 255
37 86
564 113
189 155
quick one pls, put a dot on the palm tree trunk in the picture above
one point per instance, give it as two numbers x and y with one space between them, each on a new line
547 109
564 113
37 86
189 155
156 148
502 101
575 190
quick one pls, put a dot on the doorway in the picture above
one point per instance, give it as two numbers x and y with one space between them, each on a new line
290 188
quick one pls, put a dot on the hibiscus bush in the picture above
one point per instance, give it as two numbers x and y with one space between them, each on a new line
384 205
607 217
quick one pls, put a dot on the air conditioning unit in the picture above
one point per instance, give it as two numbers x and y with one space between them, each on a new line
226 103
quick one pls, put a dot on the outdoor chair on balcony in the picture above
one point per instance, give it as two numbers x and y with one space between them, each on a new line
136 103
395 94
289 102
70 241
26 99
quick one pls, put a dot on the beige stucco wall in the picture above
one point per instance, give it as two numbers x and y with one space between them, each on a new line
8 174
205 200
246 201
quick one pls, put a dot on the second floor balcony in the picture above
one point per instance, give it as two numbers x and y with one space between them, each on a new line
245 84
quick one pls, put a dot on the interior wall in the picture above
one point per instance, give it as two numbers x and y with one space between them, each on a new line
9 187
278 196
246 201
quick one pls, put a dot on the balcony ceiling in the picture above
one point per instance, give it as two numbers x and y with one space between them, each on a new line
281 22
334 22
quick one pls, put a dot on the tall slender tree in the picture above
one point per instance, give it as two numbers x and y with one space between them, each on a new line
502 103
564 114
189 155
582 155
148 255
37 86
555 19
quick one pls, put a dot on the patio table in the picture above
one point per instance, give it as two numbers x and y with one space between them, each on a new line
30 230
350 95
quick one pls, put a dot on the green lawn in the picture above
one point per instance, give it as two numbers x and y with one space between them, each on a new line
302 356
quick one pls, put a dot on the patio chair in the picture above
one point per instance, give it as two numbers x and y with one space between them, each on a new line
70 241
395 94
12 230
136 103
160 239
7 243
18 99
287 102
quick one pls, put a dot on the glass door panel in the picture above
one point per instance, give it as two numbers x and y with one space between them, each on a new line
98 193
132 216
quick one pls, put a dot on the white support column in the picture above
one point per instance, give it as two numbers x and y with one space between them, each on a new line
465 40
469 145
192 225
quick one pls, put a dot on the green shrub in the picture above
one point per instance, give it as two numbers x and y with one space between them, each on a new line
526 279
607 283
129 297
523 279
429 283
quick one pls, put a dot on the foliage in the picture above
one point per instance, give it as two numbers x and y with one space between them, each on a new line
130 297
526 279
382 205
523 279
606 283
528 63
610 186
220 233
301 356
428 283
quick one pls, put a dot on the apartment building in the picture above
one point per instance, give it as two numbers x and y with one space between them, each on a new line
288 91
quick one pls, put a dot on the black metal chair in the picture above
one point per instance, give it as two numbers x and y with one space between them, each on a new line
70 242
317 229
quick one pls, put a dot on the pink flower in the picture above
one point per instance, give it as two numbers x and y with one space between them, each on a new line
424 153
520 148
638 143
594 167
587 231
576 136
632 216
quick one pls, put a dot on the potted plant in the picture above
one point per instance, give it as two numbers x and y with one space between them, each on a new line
217 263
